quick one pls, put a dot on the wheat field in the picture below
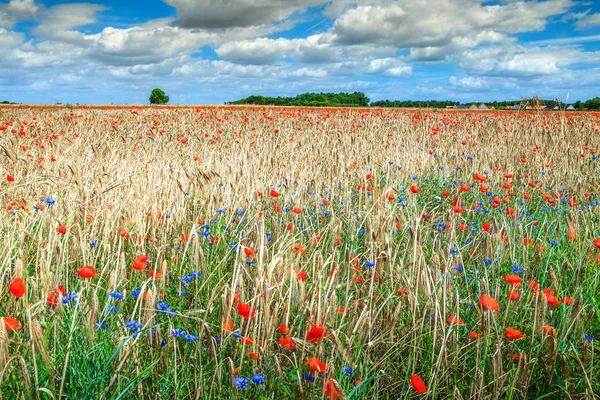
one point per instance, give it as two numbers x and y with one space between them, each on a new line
282 253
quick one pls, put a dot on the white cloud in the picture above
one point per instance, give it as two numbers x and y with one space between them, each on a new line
515 60
469 82
439 23
588 21
255 52
389 66
17 10
235 13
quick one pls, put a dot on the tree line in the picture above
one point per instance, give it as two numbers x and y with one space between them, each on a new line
359 99
356 99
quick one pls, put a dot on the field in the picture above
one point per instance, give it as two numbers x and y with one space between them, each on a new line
280 253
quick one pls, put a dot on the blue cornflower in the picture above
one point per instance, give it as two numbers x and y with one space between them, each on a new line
117 296
369 264
588 337
308 377
49 201
258 379
241 382
347 371
487 262
517 269
136 293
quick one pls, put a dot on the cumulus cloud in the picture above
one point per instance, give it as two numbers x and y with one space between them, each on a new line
388 66
235 13
588 21
439 23
515 60
17 10
59 21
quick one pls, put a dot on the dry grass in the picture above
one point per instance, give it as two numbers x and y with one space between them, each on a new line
156 174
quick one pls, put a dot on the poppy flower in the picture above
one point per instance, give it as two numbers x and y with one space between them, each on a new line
548 330
330 390
301 275
316 333
487 227
140 263
512 280
62 229
245 311
512 295
10 178
273 194
315 365
567 300
418 384
11 324
512 333
455 321
155 274
86 272
415 189
228 326
287 342
249 251
284 329
597 242
474 335
297 210
245 340
17 288
489 303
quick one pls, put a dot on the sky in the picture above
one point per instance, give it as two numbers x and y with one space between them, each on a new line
213 51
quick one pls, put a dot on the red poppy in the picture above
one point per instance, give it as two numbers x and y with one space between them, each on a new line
567 300
17 288
514 334
155 274
316 333
301 275
474 335
297 210
486 226
249 251
548 330
512 295
273 194
418 384
330 390
245 311
140 263
287 341
284 329
11 324
455 321
512 280
315 365
415 189
62 229
10 178
86 272
489 303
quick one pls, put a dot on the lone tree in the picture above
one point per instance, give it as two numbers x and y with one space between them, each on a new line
158 97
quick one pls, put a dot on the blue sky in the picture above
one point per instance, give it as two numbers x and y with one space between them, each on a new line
209 52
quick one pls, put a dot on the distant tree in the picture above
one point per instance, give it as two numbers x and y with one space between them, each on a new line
578 105
158 97
593 104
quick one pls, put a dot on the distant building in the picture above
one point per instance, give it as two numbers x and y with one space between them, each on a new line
570 108
483 107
